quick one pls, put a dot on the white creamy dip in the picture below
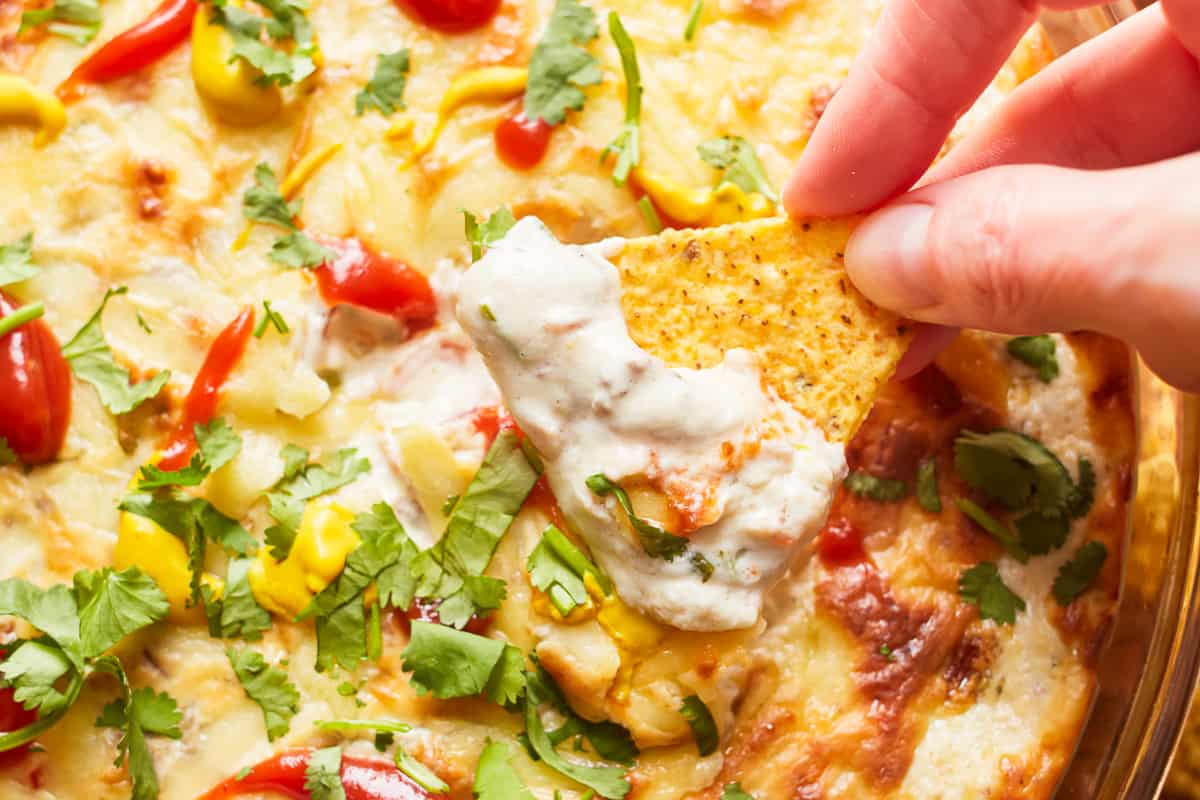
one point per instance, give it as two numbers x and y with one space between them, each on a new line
547 319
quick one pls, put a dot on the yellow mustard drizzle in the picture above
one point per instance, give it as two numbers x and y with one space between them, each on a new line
485 84
227 84
21 101
703 207
317 557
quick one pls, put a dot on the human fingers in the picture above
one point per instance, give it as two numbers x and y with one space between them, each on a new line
1130 96
925 63
928 341
1028 249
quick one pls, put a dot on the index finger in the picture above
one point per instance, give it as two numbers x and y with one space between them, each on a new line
923 66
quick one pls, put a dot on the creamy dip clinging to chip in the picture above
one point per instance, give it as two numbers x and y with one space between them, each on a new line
757 476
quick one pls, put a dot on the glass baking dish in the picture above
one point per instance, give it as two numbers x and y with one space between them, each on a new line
1148 674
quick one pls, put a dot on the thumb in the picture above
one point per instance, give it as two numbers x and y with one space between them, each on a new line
1031 249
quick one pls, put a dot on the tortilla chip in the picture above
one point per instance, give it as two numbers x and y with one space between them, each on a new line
775 287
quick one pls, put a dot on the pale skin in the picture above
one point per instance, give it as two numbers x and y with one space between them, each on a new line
1075 206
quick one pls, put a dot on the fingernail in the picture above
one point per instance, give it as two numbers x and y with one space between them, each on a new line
886 258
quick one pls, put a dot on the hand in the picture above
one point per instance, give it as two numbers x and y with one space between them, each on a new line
1079 236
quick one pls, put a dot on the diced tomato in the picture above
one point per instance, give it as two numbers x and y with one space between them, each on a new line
362 277
424 609
201 404
451 16
840 543
145 43
283 773
35 389
490 420
522 142
13 716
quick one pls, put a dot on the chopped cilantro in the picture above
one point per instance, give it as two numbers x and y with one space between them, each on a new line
16 259
483 235
385 91
343 725
1084 492
452 569
267 686
700 720
997 529
882 490
927 487
296 250
886 652
216 446
20 316
982 586
77 20
8 456
610 741
657 542
423 776
626 147
323 775
262 202
1037 352
734 791
286 56
693 21
450 663
113 605
1040 533
739 164
141 321
91 360
702 565
136 713
1075 576
556 567
495 778
560 66
1013 469
649 214
606 781
273 318
235 613
301 482
34 670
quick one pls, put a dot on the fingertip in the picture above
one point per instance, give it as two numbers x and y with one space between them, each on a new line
887 257
928 342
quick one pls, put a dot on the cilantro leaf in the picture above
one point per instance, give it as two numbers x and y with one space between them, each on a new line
322 776
927 488
91 360
495 778
262 202
982 586
450 663
560 67
16 259
1037 352
739 164
267 686
483 235
997 529
626 146
734 791
700 720
77 20
1075 576
657 542
556 567
452 569
52 611
1084 492
606 781
882 490
381 725
33 669
1040 533
300 483
140 712
273 318
423 776
693 22
235 613
113 605
1013 469
610 740
506 685
216 446
385 91
297 251
281 66
8 456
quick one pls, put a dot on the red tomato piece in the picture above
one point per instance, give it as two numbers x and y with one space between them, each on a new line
522 142
840 543
35 389
13 717
451 16
283 773
360 276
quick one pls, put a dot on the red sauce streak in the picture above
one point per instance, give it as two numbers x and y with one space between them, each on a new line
522 142
140 46
201 403
489 421
451 16
425 609
362 277
35 389
840 544
283 773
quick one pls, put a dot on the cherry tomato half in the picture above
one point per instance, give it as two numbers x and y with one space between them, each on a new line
451 16
522 142
35 389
